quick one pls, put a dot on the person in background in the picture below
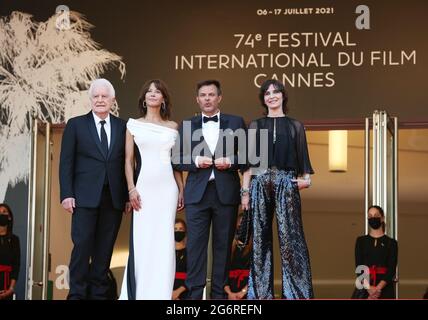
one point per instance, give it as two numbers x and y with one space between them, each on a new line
379 253
9 254
180 260
237 285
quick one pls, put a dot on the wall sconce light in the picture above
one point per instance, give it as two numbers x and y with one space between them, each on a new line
338 150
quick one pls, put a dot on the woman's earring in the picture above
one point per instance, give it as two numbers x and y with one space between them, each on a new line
163 106
144 104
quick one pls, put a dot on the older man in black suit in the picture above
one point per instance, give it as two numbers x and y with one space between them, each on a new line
209 149
93 189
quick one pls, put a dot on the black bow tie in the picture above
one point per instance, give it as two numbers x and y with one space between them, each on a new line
207 119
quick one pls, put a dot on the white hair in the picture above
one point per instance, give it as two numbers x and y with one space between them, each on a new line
101 83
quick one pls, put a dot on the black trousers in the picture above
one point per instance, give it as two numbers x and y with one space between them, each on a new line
199 217
274 193
93 232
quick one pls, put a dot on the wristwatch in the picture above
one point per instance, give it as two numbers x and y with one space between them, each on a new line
244 191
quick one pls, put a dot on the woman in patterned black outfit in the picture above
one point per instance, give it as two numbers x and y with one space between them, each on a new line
279 167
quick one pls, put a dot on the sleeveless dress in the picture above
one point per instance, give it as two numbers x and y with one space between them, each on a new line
149 274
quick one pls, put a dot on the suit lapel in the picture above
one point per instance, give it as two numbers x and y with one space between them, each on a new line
113 133
197 125
224 123
94 133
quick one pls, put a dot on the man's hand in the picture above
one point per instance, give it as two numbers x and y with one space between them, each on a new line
222 163
204 162
68 204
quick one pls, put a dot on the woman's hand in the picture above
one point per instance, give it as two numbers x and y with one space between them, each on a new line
135 199
245 201
180 202
4 294
237 295
175 295
177 292
374 293
241 294
302 183
233 296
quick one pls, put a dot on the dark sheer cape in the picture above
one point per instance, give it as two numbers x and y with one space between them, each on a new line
283 142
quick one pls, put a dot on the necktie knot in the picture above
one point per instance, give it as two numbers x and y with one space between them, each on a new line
103 122
207 119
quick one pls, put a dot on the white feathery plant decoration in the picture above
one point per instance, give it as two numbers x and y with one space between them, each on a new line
44 71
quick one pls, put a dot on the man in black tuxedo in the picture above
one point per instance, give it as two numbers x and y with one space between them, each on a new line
208 149
93 189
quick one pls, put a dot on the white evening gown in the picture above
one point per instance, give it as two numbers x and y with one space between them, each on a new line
153 226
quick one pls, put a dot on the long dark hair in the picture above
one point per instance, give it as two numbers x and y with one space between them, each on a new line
381 212
10 225
278 86
165 110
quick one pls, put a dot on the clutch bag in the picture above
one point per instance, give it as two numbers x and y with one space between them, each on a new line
245 229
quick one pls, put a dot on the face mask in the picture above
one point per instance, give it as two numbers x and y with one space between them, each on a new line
179 235
4 220
375 223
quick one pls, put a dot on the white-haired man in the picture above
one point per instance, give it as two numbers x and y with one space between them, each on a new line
93 190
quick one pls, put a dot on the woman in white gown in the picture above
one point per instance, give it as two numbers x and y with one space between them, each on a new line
155 198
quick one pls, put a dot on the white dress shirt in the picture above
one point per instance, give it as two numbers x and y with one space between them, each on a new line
210 131
107 127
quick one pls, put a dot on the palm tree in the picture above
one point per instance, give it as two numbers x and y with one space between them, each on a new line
44 71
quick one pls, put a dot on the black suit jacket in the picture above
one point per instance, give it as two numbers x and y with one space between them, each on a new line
83 164
228 145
